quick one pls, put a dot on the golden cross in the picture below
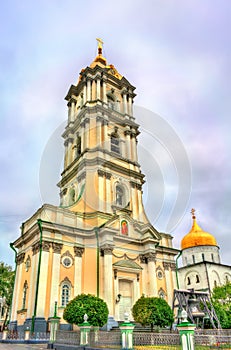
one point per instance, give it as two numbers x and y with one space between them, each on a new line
100 43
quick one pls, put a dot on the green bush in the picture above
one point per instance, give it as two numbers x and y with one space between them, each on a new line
152 311
95 308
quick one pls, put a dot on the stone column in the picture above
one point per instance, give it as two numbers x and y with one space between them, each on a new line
84 93
133 147
104 91
55 277
98 130
127 134
98 88
108 192
42 290
125 103
105 132
88 90
86 133
78 270
130 105
166 266
31 291
151 259
17 286
107 276
72 116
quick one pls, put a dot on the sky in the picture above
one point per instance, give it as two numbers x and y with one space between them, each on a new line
177 55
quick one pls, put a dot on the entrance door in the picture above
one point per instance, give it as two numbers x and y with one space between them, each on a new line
125 304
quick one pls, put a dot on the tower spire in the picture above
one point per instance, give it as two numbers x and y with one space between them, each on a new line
193 214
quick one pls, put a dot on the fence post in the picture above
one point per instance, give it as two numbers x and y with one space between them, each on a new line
54 326
27 334
84 331
186 330
126 329
4 334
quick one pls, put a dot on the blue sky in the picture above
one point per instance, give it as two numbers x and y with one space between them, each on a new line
176 53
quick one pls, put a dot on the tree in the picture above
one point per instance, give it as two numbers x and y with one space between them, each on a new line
6 287
152 311
221 300
95 308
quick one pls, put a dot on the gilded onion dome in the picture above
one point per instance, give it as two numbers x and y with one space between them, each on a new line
197 237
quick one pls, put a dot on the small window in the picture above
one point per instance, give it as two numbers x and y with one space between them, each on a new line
160 274
111 102
197 279
215 284
66 261
212 257
78 146
193 259
226 279
203 257
162 295
119 195
65 295
188 281
115 144
71 196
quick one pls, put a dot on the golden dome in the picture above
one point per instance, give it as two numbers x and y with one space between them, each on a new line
197 237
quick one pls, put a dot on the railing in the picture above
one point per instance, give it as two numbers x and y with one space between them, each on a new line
68 337
14 336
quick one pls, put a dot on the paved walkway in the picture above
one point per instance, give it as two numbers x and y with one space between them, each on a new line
4 346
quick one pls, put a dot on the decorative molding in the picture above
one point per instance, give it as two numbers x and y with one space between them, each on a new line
148 257
173 266
20 258
35 248
46 246
166 265
57 247
78 251
107 249
125 256
66 280
136 185
104 173
81 176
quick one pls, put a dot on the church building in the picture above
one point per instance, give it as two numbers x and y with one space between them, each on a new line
99 239
201 269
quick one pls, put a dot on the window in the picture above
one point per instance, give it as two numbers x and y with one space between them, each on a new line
71 196
66 261
65 294
188 281
197 279
78 146
212 257
115 144
111 102
215 283
160 274
193 259
119 195
203 257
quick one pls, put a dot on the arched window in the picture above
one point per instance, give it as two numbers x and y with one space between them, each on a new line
110 102
71 196
119 195
115 143
65 294
78 146
188 281
197 279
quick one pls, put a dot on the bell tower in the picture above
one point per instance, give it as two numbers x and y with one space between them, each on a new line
101 171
